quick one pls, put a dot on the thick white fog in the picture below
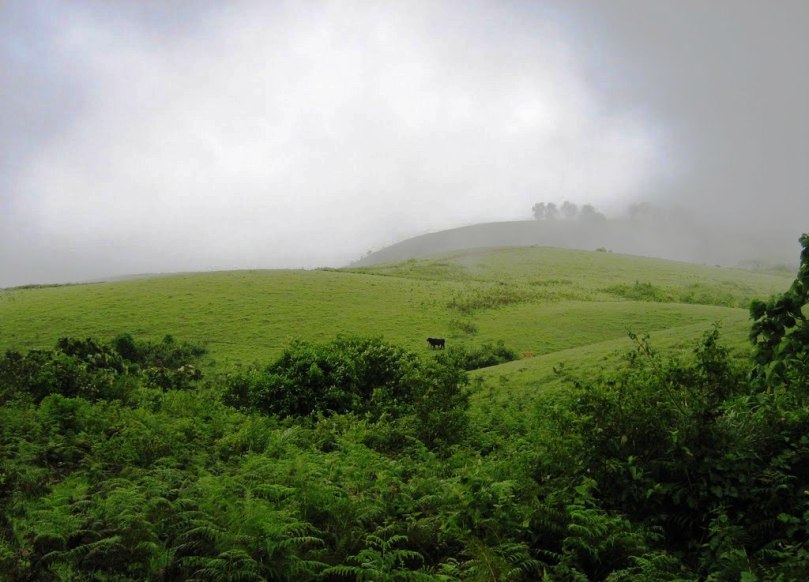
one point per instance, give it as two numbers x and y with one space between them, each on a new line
160 137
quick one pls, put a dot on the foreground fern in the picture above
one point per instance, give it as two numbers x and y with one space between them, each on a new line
381 560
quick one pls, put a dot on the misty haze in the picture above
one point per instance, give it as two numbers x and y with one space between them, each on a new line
155 137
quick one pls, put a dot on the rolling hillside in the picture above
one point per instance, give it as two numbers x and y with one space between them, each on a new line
547 301
671 237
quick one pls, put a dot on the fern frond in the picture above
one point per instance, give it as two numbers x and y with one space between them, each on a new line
342 570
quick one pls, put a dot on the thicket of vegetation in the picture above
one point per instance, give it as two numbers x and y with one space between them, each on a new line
359 460
693 293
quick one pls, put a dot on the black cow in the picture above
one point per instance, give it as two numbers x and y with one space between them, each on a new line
436 342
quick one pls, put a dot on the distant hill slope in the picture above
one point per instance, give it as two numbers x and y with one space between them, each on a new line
490 234
674 239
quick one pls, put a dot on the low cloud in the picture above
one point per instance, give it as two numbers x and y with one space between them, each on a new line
159 137
301 134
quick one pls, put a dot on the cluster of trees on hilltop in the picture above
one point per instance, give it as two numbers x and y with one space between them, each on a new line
666 232
359 460
566 211
636 212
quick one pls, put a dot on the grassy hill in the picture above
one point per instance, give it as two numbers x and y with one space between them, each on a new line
670 236
573 305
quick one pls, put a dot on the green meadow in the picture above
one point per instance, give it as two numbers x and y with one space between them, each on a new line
538 300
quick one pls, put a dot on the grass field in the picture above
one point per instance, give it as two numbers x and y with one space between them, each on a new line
570 307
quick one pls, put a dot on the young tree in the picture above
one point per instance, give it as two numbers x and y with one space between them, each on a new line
540 211
545 211
569 210
589 213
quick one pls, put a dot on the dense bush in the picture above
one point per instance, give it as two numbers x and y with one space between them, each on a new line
687 448
483 356
780 333
348 374
694 293
652 430
717 463
367 376
490 297
165 354
640 292
92 370
82 368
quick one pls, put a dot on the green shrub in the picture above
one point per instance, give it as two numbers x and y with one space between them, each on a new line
86 368
348 374
483 356
780 334
367 376
640 292
490 297
464 326
166 354
91 375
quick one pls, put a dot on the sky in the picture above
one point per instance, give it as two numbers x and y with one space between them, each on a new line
148 137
